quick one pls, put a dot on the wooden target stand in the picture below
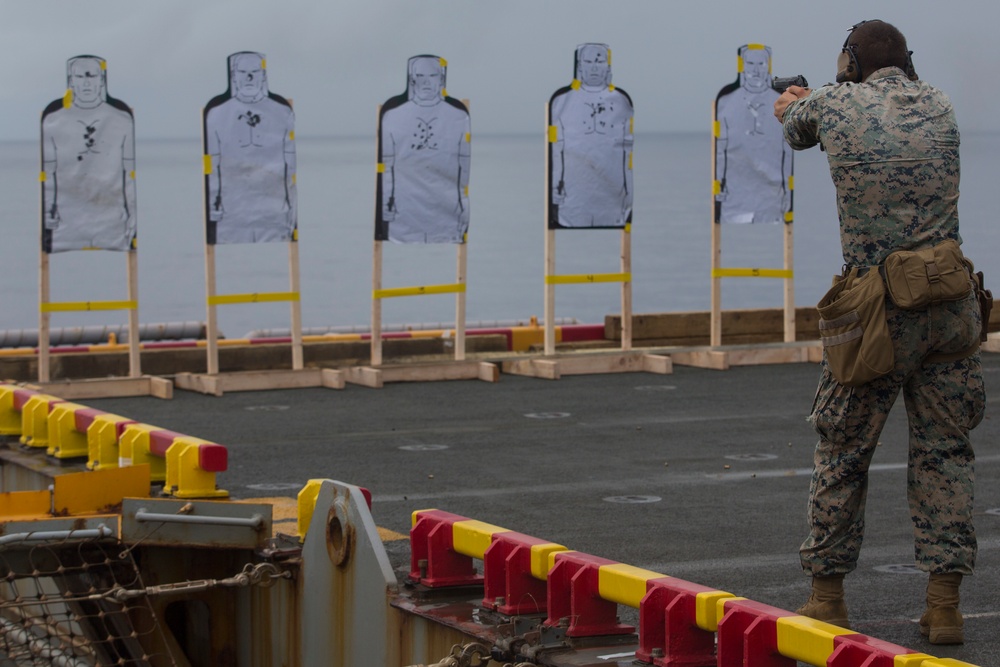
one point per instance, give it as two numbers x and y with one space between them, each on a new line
377 374
216 383
625 360
136 384
721 357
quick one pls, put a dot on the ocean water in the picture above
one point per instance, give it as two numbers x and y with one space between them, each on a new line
671 240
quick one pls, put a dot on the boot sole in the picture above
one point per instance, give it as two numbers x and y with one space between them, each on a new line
941 636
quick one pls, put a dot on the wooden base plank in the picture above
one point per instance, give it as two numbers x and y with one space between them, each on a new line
119 387
992 343
589 364
724 357
376 376
218 384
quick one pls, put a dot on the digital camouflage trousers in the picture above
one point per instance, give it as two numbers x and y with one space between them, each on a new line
944 401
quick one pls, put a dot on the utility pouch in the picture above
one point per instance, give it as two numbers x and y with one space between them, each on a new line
918 278
985 304
853 329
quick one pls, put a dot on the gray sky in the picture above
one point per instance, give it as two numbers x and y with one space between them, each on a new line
338 59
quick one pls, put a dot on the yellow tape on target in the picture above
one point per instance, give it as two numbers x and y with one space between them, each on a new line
589 278
73 306
417 291
752 273
255 297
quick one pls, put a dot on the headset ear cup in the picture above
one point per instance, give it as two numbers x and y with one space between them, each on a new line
911 73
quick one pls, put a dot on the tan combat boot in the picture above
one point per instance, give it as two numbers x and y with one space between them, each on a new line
942 622
826 602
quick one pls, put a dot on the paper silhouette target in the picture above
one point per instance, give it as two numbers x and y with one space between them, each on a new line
424 156
590 147
88 164
249 135
753 163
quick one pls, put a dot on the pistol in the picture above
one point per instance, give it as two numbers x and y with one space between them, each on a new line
781 83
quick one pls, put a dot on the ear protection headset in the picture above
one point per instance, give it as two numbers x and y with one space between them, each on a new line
851 71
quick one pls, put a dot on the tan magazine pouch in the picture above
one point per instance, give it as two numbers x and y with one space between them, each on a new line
854 330
918 278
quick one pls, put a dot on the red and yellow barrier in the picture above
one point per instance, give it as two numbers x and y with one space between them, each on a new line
187 465
680 623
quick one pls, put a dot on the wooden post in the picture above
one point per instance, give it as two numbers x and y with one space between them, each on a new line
212 326
134 344
376 346
789 286
295 286
715 335
549 304
460 278
44 318
626 267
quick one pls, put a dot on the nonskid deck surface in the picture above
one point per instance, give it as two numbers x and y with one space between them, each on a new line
699 474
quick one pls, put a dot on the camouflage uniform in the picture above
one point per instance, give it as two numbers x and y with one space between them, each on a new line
893 145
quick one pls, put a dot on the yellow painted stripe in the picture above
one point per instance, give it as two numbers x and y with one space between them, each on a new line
25 503
739 64
589 278
415 515
444 93
945 662
263 63
42 177
206 163
575 85
806 639
291 135
611 86
468 137
444 63
789 216
752 273
716 129
472 538
630 161
791 182
416 291
255 297
71 306
131 174
306 505
915 660
541 556
609 57
553 134
68 98
380 168
624 584
755 47
708 611
628 228
716 188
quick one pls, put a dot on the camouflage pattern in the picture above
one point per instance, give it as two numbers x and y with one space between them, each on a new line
893 151
892 145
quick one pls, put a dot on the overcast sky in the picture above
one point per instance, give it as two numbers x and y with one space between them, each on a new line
338 59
